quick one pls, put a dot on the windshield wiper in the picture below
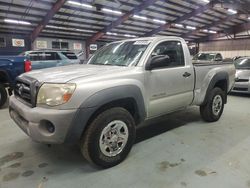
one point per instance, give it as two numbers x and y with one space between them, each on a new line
120 65
115 65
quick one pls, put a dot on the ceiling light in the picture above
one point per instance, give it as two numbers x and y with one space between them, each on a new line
210 31
76 29
24 22
51 26
159 21
190 27
206 1
179 25
17 22
109 33
56 27
140 17
80 4
248 18
232 11
128 35
111 11
84 30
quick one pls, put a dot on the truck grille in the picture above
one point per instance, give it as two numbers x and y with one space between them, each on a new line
240 89
241 80
22 90
26 90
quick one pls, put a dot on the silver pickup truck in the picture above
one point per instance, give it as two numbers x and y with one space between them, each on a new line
99 105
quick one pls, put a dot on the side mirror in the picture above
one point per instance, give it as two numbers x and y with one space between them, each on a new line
157 62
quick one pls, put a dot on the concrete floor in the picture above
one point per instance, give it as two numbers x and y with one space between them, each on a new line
179 150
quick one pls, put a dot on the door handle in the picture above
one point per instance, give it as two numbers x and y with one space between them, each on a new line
186 74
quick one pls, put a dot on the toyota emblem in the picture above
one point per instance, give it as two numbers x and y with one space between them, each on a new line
20 89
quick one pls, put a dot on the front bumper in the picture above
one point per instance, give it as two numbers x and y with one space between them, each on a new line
241 87
35 121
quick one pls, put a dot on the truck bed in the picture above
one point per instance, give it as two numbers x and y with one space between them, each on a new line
204 72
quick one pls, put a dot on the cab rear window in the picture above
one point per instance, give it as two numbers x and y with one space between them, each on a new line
69 55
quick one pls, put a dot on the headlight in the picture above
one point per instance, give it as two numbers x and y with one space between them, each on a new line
55 94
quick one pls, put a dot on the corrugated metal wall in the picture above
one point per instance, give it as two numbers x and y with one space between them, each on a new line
228 48
9 49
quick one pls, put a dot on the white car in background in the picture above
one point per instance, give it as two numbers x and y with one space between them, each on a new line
242 77
213 57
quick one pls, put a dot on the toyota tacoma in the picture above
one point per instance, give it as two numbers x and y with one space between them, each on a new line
99 105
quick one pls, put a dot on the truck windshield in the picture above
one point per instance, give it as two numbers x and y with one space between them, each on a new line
120 54
242 63
204 56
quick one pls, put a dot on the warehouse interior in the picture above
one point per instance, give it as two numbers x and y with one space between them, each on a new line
176 149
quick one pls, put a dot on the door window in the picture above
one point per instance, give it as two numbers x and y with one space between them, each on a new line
70 55
36 56
51 56
172 49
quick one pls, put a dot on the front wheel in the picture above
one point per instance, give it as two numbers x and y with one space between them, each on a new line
213 109
109 137
3 95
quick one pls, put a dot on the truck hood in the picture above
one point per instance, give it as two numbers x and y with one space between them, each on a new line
242 73
67 73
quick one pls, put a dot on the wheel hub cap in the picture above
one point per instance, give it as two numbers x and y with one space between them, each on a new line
113 138
217 105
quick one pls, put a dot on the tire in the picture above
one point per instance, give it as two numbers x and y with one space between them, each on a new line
210 112
93 140
3 95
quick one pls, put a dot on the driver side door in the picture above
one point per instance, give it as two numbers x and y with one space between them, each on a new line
169 87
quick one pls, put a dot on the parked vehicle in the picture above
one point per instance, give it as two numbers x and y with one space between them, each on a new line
99 105
238 57
10 68
51 58
81 57
242 77
208 57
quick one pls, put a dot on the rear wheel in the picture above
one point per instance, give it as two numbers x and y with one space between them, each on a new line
3 95
213 109
109 137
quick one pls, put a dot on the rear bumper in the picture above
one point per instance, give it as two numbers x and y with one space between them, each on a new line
241 87
42 125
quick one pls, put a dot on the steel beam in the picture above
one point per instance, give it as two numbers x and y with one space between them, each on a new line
55 8
213 24
120 20
182 18
233 30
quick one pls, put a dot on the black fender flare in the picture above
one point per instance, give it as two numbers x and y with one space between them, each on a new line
97 100
6 75
220 76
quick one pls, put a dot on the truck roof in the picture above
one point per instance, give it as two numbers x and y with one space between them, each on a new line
152 38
